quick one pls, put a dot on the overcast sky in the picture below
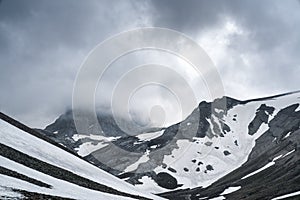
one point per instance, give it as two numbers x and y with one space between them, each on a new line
254 44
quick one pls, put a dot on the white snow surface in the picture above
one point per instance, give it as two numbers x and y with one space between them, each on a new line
288 153
287 195
182 157
88 147
149 136
218 198
60 187
134 166
230 190
259 170
76 137
44 151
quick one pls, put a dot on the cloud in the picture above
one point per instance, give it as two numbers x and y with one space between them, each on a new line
263 56
254 44
43 43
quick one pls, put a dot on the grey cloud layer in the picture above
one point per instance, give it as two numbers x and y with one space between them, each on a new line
273 38
42 44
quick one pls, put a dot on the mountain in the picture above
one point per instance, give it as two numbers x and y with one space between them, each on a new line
225 149
33 166
272 168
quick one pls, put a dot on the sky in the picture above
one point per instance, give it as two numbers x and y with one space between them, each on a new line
254 45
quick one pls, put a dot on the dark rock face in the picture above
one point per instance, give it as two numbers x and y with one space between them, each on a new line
165 180
205 112
236 143
261 116
226 153
209 167
172 170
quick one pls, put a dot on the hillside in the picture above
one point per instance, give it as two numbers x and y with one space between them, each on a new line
32 167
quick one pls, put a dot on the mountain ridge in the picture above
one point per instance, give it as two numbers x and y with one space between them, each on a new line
209 123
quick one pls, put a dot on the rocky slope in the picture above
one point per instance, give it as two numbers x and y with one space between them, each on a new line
226 148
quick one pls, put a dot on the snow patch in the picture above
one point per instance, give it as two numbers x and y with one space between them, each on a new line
261 169
218 198
77 137
149 136
276 158
298 109
144 158
148 184
218 110
287 195
287 135
288 153
231 189
88 147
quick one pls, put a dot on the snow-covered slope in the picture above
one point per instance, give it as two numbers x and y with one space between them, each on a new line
32 166
229 139
272 168
217 138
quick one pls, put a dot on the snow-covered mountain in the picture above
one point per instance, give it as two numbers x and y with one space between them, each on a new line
35 167
226 148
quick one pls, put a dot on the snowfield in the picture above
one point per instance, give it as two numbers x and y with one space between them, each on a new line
28 144
191 159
